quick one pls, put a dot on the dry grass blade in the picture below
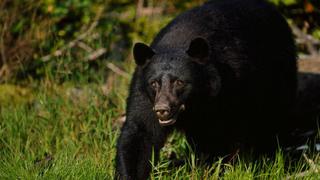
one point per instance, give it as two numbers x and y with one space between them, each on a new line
311 163
306 39
118 71
96 54
71 44
313 169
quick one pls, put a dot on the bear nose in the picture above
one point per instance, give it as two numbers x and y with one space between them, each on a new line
162 111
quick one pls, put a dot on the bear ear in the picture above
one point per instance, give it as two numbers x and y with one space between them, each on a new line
141 53
199 49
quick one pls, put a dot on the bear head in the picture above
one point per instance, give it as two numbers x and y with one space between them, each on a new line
170 77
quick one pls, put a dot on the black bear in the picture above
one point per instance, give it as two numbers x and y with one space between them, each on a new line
224 73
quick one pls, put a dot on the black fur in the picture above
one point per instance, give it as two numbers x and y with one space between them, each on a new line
240 91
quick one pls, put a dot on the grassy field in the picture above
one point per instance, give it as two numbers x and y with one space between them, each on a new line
69 131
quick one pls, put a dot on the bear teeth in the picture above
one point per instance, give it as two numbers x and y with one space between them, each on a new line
167 122
182 107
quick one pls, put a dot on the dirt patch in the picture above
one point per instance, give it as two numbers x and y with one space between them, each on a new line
309 66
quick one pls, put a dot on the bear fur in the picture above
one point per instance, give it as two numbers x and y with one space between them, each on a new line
224 73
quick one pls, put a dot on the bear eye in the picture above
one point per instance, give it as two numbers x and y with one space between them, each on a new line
154 84
180 83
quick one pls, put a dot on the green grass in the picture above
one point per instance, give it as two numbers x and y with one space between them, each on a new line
69 131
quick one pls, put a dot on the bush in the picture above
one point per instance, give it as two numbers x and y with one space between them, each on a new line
38 38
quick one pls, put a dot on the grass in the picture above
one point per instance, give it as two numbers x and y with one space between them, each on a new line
69 131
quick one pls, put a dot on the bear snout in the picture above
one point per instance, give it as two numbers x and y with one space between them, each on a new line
162 111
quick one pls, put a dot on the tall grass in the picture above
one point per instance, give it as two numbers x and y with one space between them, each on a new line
69 131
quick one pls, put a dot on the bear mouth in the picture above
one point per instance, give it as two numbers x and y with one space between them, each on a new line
167 122
172 120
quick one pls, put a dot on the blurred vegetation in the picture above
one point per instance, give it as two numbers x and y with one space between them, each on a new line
30 30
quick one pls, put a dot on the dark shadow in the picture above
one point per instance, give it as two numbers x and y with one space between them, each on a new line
306 116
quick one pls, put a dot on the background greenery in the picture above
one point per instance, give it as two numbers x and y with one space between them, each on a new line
65 66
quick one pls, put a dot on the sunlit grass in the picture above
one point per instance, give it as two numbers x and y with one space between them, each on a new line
69 132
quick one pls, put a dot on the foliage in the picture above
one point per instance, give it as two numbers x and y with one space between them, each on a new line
31 30
68 132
